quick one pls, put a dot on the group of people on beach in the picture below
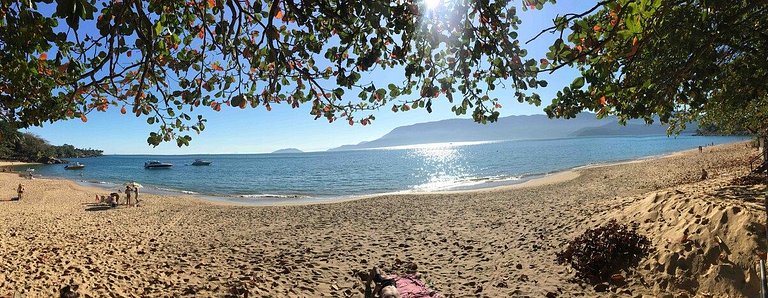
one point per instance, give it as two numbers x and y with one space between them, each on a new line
701 148
114 198
131 189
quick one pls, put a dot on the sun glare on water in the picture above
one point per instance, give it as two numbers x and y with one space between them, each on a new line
432 4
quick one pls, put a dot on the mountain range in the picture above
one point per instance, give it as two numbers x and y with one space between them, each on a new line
509 128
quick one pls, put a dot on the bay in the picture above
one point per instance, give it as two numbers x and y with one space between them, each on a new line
314 176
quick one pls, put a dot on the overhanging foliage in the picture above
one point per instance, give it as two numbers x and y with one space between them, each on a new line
163 59
681 60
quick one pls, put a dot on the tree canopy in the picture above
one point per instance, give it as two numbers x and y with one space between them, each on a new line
15 145
163 59
680 60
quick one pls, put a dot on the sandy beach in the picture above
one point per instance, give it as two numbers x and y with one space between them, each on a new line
7 163
707 236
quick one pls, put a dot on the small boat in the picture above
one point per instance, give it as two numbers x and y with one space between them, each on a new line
200 162
154 164
75 166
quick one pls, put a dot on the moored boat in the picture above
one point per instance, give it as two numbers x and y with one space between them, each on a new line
75 166
154 164
200 162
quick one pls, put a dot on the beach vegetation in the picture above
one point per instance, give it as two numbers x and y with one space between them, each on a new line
601 253
678 61
15 145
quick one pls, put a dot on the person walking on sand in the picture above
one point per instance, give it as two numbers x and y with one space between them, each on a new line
20 191
128 194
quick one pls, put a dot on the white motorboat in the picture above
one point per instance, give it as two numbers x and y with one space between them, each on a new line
154 164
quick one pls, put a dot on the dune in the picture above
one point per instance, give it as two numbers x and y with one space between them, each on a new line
708 237
488 243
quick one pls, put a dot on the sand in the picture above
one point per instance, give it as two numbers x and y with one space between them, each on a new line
486 243
9 163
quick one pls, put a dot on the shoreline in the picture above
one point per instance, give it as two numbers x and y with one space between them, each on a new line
532 180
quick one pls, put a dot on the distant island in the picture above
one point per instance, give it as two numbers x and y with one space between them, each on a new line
510 128
27 147
288 150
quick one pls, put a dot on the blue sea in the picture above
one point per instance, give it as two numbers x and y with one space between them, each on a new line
317 176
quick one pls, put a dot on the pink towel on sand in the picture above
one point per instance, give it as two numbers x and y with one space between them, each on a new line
411 287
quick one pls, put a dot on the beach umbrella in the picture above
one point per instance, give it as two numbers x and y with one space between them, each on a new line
134 184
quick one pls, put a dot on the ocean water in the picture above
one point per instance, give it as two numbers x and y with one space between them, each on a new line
329 175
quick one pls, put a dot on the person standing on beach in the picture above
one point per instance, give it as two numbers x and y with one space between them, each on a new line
128 194
20 191
136 194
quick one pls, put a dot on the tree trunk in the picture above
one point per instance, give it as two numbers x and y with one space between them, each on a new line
761 142
763 149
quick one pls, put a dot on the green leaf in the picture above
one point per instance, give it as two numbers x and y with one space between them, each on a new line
577 83
158 28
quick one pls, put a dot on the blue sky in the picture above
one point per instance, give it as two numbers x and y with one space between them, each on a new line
257 131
